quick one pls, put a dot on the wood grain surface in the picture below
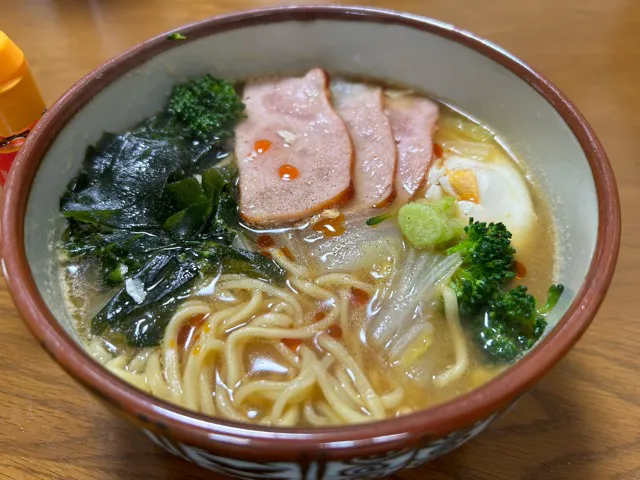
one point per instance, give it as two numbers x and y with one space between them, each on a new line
581 422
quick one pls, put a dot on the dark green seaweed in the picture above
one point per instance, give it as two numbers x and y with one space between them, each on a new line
157 210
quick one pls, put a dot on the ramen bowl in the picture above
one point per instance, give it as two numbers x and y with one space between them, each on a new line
531 114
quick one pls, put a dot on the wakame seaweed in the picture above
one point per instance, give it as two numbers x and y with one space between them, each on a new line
157 208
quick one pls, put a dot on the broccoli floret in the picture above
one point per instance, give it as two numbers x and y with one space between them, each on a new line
504 324
512 323
208 107
487 263
497 342
516 308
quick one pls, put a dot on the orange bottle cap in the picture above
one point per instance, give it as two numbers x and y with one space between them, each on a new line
11 58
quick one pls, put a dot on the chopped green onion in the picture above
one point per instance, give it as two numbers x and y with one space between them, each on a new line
373 221
427 225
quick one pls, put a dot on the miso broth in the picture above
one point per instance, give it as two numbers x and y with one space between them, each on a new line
192 290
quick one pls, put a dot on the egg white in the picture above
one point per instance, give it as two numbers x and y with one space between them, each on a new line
503 194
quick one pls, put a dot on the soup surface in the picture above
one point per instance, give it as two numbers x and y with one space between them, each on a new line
306 252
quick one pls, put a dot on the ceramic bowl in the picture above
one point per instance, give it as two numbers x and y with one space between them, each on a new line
536 119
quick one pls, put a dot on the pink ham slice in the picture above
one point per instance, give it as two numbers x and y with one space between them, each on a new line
361 107
296 117
413 121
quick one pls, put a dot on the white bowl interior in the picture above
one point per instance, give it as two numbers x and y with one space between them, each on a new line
396 53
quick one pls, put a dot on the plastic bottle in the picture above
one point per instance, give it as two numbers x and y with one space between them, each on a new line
21 104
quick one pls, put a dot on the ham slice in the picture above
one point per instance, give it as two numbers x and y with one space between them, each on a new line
306 152
413 121
361 107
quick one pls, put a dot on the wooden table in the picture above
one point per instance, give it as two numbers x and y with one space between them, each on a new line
581 422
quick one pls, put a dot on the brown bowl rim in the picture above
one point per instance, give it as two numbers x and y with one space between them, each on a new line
239 439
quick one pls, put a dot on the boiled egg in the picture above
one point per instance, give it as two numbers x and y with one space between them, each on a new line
489 190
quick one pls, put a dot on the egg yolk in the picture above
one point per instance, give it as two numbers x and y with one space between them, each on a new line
464 184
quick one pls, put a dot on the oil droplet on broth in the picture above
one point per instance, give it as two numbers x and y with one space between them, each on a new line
287 253
292 343
331 227
335 331
359 297
188 333
437 150
521 270
265 241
